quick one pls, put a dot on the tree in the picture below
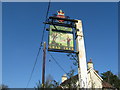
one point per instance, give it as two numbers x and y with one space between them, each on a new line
109 77
3 87
49 83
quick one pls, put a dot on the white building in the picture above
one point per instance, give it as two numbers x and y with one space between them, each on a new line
94 80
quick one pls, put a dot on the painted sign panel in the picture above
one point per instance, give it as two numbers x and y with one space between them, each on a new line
59 40
60 28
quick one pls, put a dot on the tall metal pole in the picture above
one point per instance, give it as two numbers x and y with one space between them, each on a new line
43 67
82 65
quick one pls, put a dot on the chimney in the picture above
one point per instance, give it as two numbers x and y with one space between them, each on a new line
90 64
64 77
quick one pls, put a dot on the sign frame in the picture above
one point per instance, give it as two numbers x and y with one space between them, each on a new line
65 32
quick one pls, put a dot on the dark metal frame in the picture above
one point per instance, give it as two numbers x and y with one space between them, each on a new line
67 23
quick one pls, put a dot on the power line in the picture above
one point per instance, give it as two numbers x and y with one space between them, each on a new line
40 45
60 66
57 63
34 66
45 21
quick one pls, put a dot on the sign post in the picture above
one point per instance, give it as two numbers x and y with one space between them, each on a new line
61 40
82 66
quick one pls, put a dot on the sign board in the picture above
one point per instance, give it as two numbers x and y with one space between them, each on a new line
60 41
60 28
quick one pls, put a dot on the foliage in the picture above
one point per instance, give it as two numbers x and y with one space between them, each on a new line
109 77
49 83
3 87
74 58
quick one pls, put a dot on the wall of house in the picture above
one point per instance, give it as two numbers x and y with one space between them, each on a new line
93 80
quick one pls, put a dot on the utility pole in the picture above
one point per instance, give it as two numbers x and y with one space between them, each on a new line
43 67
82 65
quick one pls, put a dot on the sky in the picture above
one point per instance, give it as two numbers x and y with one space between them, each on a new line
22 25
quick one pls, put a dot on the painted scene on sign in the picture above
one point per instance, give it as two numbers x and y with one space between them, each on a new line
60 40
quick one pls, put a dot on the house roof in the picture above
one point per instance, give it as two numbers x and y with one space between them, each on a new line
104 84
68 80
91 69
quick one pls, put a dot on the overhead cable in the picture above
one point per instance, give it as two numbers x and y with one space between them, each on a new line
40 45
